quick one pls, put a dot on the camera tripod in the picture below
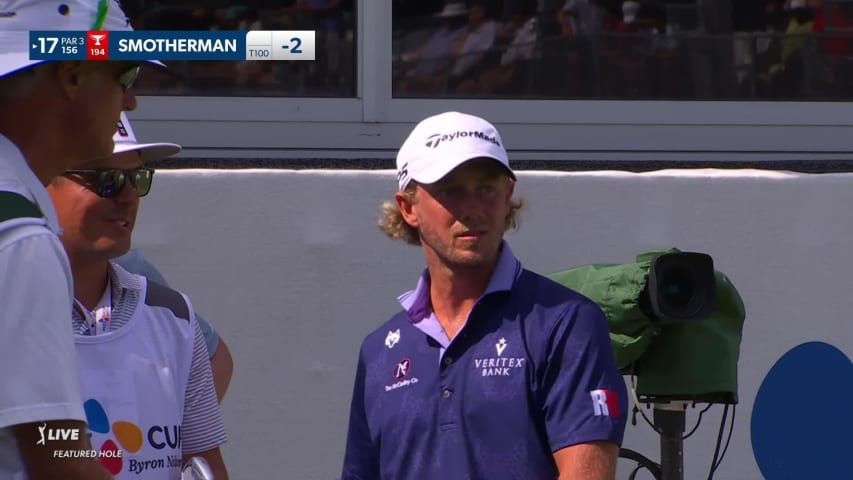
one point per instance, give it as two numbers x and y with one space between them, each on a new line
669 422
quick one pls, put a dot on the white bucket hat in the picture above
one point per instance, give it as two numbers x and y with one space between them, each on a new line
19 17
125 141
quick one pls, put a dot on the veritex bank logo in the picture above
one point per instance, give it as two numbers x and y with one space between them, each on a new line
131 440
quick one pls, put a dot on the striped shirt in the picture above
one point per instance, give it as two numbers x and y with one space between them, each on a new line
202 427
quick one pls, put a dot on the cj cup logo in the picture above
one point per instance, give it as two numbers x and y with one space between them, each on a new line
123 437
127 434
392 338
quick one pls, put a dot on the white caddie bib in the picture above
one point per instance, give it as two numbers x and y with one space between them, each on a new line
134 382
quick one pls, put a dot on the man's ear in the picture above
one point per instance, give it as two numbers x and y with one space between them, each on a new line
406 203
510 191
68 75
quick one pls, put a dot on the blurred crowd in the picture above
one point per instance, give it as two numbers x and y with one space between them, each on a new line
804 49
621 49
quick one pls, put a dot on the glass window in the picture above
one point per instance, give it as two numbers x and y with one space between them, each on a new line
577 103
332 74
623 49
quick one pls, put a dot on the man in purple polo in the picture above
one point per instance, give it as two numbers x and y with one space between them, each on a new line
490 371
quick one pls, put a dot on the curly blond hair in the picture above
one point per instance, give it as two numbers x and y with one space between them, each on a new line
392 224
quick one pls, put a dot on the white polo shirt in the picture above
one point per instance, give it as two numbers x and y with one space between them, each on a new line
40 379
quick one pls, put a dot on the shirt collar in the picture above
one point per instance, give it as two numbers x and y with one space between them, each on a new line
120 283
10 154
416 302
121 280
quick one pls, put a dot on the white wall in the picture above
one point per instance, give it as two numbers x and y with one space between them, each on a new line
292 270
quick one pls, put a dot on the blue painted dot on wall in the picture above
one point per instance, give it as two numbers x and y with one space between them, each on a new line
802 419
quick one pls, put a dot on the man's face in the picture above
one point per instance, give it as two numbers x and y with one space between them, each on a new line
462 217
100 94
94 227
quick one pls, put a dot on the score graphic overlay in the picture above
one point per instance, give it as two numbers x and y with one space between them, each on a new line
66 46
173 45
97 45
280 45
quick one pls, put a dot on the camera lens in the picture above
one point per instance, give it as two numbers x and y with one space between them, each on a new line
677 287
681 286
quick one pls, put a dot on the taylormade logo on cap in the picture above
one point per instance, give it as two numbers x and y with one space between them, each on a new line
437 138
440 143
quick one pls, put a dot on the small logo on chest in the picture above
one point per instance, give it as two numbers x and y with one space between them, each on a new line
401 373
402 369
392 338
499 366
500 346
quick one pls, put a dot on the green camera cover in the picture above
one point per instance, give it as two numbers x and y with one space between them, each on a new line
691 360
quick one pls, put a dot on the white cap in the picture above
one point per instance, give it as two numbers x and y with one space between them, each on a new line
452 10
630 9
18 18
440 143
125 141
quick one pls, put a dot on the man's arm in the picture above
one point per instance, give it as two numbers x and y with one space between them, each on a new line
361 459
223 368
202 431
220 357
588 461
40 461
586 401
42 389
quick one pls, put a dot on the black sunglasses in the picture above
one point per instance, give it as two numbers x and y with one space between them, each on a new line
127 77
109 182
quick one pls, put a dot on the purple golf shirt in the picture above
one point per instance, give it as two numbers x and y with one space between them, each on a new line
531 372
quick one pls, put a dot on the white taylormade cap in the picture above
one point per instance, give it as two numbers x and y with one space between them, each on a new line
17 18
125 141
440 143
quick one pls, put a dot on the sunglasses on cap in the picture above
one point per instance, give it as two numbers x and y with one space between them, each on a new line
109 182
127 77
